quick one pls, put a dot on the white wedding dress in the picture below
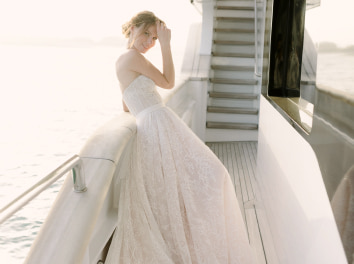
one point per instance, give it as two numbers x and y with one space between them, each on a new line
178 204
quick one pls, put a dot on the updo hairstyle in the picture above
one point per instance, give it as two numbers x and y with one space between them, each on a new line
144 18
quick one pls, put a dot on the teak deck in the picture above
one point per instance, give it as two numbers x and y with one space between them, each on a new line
240 160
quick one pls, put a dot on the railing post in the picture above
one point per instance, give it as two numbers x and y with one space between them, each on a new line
74 164
79 178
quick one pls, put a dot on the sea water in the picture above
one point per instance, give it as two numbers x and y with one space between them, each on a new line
336 70
52 100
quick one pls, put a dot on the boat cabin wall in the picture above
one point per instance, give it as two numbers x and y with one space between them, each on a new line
305 164
294 195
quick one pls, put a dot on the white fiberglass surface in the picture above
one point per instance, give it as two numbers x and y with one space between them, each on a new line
298 209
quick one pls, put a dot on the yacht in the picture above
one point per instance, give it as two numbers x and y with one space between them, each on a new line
248 90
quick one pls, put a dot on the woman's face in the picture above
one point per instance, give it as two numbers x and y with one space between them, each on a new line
144 39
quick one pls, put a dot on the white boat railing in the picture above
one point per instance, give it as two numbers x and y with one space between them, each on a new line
91 218
74 164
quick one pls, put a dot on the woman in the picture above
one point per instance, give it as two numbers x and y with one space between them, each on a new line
178 204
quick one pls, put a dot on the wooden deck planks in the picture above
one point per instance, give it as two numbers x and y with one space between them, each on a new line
240 160
249 204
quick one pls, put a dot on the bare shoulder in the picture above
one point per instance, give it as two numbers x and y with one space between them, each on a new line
129 58
125 67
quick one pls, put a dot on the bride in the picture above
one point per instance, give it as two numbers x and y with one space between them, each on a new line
178 204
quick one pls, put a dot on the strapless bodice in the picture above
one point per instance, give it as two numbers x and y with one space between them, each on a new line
141 94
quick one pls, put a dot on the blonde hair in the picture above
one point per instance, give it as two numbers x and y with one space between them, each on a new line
144 18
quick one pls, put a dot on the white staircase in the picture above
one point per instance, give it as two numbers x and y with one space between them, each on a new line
232 112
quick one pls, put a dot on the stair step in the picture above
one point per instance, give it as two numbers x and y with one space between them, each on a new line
222 135
234 88
235 19
221 7
224 125
232 110
234 13
229 36
233 30
231 68
234 24
233 42
231 118
233 49
233 95
249 3
233 81
233 54
243 75
234 61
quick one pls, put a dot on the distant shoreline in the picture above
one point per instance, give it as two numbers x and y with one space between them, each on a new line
330 47
115 41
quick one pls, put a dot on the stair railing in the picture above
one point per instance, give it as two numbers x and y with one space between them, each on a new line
256 40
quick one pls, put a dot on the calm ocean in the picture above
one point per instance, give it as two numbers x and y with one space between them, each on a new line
52 100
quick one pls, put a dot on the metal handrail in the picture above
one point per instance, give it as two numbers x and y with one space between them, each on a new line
74 164
256 39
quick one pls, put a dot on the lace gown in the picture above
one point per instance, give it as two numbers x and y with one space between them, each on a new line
178 204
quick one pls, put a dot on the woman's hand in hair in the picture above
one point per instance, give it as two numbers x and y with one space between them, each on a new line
163 33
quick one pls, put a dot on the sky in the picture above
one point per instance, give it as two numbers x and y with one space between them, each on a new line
86 18
97 19
333 21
